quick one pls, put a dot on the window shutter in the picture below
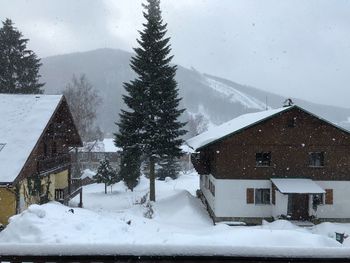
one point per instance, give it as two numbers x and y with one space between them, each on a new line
250 195
329 197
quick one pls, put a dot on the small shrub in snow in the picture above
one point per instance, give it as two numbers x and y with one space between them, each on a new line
149 210
143 200
105 174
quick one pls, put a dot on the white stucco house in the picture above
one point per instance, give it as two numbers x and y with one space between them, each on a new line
281 163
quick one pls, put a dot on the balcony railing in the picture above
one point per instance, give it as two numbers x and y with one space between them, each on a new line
65 194
75 185
51 163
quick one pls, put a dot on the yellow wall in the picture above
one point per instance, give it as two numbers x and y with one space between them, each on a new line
7 204
58 181
61 180
8 196
25 199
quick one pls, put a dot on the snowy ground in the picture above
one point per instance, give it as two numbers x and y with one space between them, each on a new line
180 225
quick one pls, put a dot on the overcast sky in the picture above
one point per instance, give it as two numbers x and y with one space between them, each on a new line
294 48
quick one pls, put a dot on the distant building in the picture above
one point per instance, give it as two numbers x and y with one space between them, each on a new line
90 155
36 134
282 163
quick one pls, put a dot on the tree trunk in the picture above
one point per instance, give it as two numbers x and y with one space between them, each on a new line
105 188
152 187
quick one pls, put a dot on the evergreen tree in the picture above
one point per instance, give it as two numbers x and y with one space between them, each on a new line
19 67
105 174
130 166
152 123
169 167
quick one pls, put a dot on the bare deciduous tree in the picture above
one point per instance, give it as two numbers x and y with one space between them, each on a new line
197 124
83 101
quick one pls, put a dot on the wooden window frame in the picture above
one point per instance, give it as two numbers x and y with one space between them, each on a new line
265 159
262 201
313 161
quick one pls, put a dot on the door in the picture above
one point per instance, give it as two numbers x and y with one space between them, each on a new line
298 206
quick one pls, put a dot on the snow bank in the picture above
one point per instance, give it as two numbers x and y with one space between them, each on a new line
56 223
115 224
329 230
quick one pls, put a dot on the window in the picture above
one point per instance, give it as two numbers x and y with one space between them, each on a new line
263 159
316 159
211 188
262 196
317 199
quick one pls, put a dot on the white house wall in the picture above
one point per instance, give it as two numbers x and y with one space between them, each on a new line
230 198
281 205
341 200
206 192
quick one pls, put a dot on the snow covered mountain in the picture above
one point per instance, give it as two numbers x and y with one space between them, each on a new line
234 95
219 99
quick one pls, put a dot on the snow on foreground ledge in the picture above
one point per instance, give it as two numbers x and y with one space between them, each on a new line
52 229
166 250
180 226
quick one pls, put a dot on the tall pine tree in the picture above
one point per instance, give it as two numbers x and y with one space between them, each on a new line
19 67
151 125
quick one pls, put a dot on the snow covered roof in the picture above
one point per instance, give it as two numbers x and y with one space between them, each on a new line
297 186
110 146
107 145
242 122
23 120
231 127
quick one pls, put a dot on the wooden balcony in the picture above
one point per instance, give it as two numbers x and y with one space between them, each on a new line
47 164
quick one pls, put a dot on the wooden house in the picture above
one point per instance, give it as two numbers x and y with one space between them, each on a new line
281 163
36 134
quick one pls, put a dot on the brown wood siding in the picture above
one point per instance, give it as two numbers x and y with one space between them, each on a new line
234 157
70 138
329 197
250 195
